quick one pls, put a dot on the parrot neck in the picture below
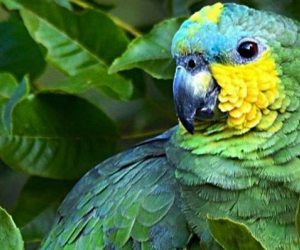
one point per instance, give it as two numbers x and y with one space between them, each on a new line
254 175
244 177
223 152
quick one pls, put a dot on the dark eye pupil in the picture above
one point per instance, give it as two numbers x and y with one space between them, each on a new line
248 49
192 64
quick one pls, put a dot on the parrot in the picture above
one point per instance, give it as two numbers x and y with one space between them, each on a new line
232 157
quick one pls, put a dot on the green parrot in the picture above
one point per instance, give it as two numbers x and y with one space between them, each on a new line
232 159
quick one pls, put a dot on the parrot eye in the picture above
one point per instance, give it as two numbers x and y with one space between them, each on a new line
248 49
191 64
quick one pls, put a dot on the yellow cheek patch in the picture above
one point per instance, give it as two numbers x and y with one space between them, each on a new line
211 13
249 92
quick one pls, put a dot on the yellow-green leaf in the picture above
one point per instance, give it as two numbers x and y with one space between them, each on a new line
232 235
10 236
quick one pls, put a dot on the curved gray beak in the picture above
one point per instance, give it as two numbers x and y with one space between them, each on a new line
195 95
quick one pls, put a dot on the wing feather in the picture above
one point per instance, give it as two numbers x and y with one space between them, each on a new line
129 201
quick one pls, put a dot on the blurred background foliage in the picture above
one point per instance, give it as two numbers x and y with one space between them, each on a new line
62 111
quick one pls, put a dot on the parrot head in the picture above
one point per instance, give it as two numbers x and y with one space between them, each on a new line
228 67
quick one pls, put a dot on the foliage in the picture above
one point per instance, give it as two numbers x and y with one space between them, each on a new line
111 86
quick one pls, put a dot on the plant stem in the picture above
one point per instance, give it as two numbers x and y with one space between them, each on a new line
125 26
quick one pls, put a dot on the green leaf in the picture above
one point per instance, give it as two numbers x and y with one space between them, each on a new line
73 41
139 80
10 236
97 80
37 206
57 136
233 235
11 4
20 55
21 92
151 52
7 89
64 3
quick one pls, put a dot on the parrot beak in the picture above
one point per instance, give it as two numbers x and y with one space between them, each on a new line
195 92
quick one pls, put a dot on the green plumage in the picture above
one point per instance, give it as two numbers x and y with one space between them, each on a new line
124 203
161 193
